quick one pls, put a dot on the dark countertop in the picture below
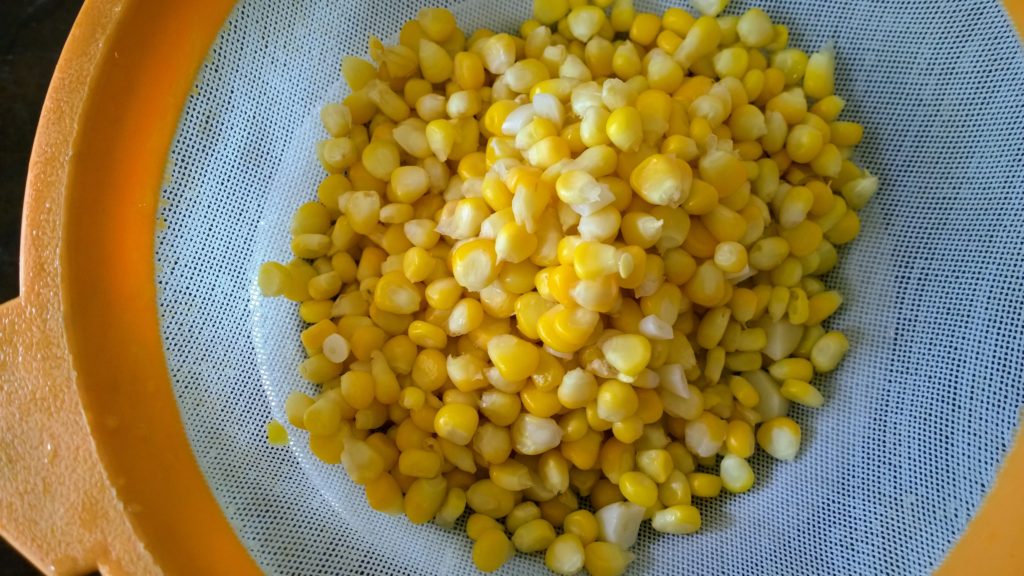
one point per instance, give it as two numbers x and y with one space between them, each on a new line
32 33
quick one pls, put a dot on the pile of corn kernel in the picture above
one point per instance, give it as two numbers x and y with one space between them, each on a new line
571 270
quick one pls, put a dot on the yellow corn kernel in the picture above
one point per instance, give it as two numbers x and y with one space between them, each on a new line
846 134
549 12
704 485
792 368
678 519
475 263
731 257
492 549
520 515
661 180
515 359
436 23
628 429
456 423
538 402
361 461
626 61
385 495
429 371
655 463
675 490
582 524
319 369
677 20
478 523
566 330
357 72
858 191
641 229
845 230
731 62
419 463
424 498
514 243
701 39
616 458
739 439
357 388
638 488
624 128
706 434
565 555
577 389
645 28
511 475
443 293
754 28
394 293
603 493
328 449
779 437
802 393
276 433
828 351
585 21
427 335
295 409
606 559
707 286
722 170
819 75
534 536
529 308
466 316
489 499
804 143
627 353
452 508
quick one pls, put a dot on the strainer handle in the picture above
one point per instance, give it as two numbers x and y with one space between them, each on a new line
58 508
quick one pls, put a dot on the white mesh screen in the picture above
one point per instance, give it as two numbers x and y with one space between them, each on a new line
918 418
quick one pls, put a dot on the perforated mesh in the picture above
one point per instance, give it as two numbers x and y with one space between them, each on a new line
919 416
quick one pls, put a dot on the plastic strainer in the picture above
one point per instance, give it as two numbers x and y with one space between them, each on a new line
139 366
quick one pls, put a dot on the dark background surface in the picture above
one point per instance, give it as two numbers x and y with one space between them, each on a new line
32 33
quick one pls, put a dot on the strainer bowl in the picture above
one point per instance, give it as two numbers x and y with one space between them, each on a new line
139 365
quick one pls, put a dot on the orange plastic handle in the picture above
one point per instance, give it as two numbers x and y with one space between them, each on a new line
58 508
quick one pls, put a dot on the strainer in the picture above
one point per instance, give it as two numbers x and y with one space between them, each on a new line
135 388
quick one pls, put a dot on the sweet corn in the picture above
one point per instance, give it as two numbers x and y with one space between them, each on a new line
456 423
624 128
638 488
492 549
779 437
606 559
585 187
828 351
534 536
565 555
661 180
489 499
677 519
475 263
628 354
585 21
